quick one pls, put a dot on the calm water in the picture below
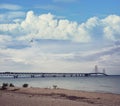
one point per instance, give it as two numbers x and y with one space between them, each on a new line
109 84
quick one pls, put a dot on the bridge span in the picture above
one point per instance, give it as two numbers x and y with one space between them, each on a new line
42 75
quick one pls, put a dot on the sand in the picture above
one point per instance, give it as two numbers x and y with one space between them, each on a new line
55 97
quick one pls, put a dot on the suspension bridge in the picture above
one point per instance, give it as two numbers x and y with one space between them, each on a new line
42 75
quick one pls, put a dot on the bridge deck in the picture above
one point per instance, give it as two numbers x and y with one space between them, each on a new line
35 75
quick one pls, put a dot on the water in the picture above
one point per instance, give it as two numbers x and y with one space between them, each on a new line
108 84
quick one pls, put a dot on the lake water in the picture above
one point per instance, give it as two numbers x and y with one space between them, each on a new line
109 84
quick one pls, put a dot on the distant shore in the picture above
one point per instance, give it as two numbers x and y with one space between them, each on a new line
15 96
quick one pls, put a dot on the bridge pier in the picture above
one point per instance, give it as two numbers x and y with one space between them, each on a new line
15 76
32 76
43 75
64 75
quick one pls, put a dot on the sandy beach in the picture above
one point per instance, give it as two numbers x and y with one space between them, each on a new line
55 97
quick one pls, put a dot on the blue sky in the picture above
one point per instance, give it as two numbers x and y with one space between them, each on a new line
60 35
75 10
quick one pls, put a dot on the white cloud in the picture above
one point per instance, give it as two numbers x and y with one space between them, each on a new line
46 58
48 26
62 56
112 27
8 28
111 63
33 59
10 6
11 16
5 40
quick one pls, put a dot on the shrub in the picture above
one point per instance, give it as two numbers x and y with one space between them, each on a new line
4 86
11 85
25 85
54 86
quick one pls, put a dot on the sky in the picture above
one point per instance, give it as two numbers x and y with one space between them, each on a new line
60 35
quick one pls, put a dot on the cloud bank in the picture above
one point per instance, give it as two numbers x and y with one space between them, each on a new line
66 44
47 26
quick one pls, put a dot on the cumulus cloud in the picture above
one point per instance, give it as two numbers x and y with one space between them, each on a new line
112 27
10 6
47 26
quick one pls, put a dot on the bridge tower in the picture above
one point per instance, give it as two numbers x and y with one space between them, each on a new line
96 69
104 71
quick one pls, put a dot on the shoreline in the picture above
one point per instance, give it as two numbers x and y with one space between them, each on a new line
90 84
56 97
